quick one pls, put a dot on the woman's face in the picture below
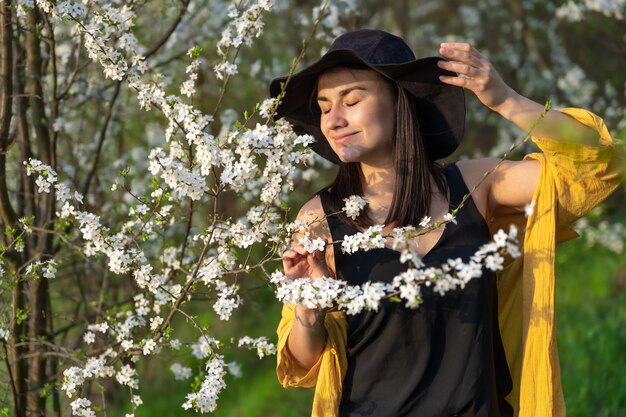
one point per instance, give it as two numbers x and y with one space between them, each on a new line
358 115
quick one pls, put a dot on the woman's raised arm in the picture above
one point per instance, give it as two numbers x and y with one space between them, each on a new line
477 74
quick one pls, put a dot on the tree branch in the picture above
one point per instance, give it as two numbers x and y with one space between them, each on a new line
39 120
7 212
102 137
168 33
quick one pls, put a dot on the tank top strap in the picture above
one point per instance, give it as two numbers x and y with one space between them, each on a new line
456 184
338 228
468 215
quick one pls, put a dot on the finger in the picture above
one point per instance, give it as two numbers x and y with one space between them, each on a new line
319 255
299 249
457 81
461 46
463 52
290 254
460 68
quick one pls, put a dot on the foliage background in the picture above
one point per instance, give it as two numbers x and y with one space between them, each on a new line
543 49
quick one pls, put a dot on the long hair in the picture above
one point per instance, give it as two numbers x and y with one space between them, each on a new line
413 190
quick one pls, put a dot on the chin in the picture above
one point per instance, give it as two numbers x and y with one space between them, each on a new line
347 157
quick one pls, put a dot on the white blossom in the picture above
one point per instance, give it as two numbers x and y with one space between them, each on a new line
353 206
82 407
529 209
227 300
72 379
312 245
180 372
149 346
89 338
136 400
449 217
203 347
127 376
494 262
234 368
267 106
410 256
50 270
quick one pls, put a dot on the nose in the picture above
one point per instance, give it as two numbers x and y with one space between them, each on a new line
335 118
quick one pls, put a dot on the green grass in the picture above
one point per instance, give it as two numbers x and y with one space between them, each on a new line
591 320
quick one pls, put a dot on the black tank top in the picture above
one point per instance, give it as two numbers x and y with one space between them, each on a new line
443 359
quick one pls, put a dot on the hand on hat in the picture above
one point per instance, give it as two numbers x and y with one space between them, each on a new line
475 73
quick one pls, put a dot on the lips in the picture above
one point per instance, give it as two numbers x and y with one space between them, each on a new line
343 137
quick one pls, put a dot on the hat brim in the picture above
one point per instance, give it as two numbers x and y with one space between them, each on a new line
441 107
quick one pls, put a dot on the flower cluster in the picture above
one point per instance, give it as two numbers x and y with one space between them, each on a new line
205 400
81 407
604 233
574 11
46 269
262 345
244 26
46 176
312 245
189 86
372 238
96 367
353 206
407 286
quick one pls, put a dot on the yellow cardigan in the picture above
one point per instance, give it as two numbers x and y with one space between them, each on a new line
574 178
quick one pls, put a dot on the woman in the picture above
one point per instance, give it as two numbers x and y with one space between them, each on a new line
385 118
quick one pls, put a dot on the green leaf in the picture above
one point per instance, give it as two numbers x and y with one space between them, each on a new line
195 52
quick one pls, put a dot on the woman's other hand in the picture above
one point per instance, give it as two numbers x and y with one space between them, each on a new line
298 263
475 73
308 334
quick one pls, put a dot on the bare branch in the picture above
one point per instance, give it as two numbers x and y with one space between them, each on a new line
168 33
39 119
6 103
102 137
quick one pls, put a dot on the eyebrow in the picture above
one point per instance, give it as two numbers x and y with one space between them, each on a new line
343 93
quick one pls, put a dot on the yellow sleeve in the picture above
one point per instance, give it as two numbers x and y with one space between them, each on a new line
327 374
574 179
582 175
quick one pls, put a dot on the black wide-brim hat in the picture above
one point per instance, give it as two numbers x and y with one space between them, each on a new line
441 107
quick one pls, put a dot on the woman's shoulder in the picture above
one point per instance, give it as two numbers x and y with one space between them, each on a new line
312 213
476 168
312 209
503 186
